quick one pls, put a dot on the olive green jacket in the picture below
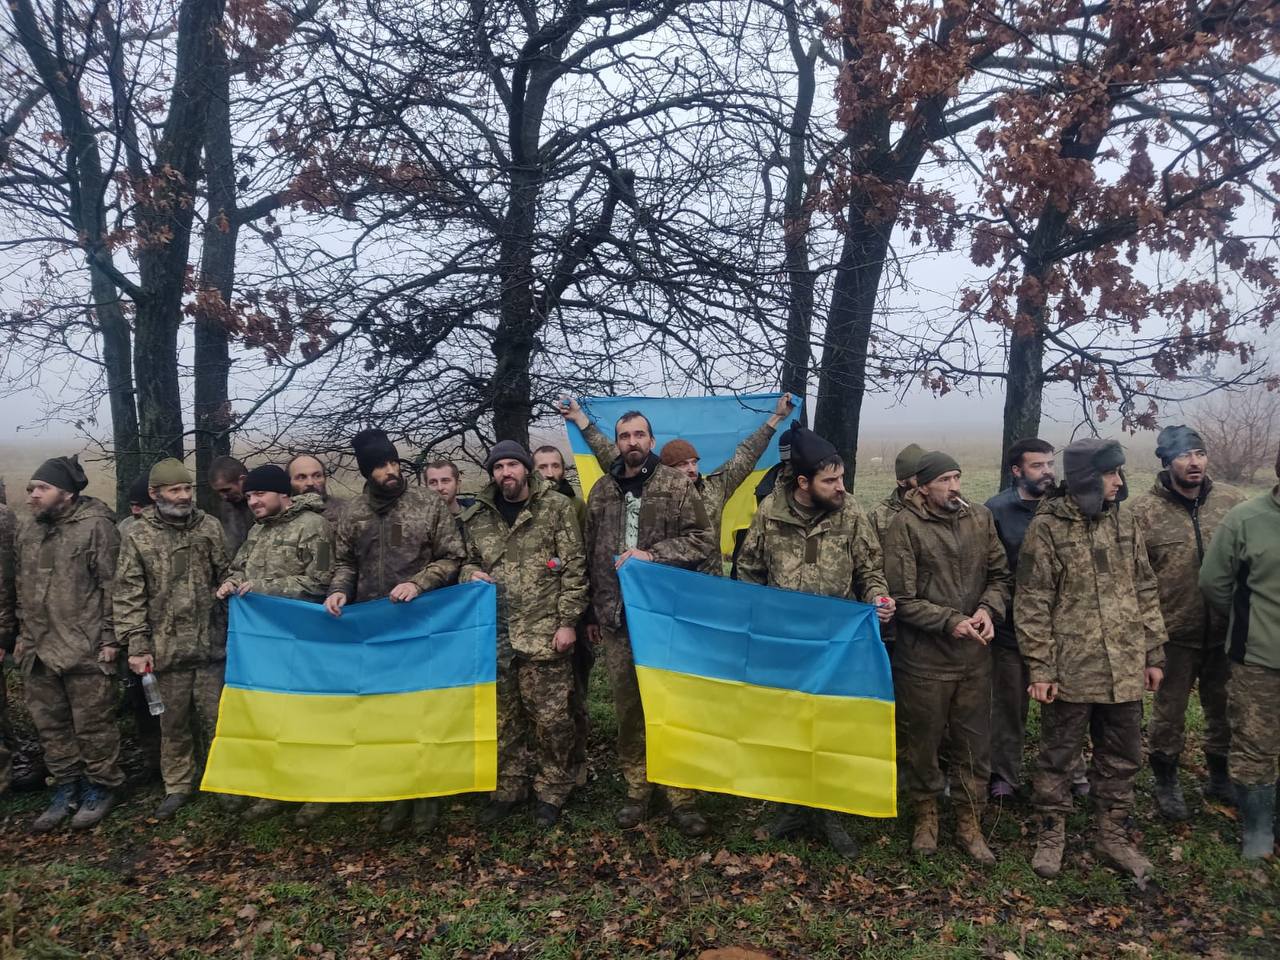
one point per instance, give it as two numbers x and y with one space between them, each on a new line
290 554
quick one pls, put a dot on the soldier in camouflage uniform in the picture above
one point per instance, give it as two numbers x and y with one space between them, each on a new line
642 509
66 649
139 500
397 542
810 535
288 553
904 470
1241 574
524 537
226 477
949 574
1178 518
171 563
8 633
715 488
1087 613
307 474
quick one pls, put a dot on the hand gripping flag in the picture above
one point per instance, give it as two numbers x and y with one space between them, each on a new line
387 702
714 425
761 692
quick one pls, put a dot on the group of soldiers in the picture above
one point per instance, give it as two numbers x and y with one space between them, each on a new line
1052 591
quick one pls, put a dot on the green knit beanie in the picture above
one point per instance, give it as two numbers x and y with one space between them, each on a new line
908 461
934 464
167 473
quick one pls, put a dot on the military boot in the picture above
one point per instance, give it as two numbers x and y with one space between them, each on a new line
170 805
632 813
837 836
1219 787
1257 821
790 820
925 839
60 807
1168 791
1114 846
426 814
95 803
689 821
1050 843
969 836
496 810
310 813
395 816
261 809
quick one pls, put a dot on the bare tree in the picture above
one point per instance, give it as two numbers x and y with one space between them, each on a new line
1241 430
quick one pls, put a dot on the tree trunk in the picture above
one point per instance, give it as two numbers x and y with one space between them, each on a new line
514 338
842 381
1023 387
217 282
113 328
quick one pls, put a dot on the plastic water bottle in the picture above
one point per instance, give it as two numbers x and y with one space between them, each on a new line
151 690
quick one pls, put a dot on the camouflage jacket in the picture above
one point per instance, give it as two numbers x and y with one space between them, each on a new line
673 527
333 507
942 568
290 554
236 520
65 572
8 567
882 513
715 488
413 539
164 595
534 600
835 554
1177 532
1087 606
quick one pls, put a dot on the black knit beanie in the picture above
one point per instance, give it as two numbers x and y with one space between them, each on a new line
267 478
65 473
373 449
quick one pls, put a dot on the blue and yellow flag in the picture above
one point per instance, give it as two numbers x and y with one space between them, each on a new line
760 692
387 702
714 425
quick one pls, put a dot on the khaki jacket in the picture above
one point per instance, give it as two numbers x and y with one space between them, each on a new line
942 568
8 569
290 554
1087 606
65 573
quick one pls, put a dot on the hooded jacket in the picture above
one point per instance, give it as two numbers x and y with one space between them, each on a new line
943 567
672 525
833 554
164 592
538 563
66 568
290 554
1012 514
1177 532
414 539
1241 573
8 569
1087 605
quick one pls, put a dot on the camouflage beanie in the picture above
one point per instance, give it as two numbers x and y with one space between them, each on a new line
1173 442
907 461
678 451
167 473
1083 464
65 473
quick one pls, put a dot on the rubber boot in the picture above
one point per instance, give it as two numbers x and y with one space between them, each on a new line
969 836
1168 791
1257 820
1219 787
924 840
1050 843
1114 846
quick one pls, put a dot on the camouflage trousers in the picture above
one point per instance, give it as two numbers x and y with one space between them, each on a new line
954 715
190 715
584 658
1009 705
535 729
1116 732
1185 667
621 667
6 732
1254 705
75 716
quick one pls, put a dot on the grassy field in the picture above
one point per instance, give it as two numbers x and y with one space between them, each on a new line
207 885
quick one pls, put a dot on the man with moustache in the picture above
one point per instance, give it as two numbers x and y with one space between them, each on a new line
640 508
1030 463
1087 612
524 537
166 613
226 478
67 646
308 475
810 535
398 542
1178 517
948 572
288 553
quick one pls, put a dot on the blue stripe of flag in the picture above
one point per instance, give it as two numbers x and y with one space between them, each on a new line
715 627
291 646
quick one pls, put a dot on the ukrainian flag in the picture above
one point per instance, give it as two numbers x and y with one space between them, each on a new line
714 425
761 692
387 702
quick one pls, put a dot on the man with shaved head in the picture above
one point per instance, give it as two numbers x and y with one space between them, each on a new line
307 474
